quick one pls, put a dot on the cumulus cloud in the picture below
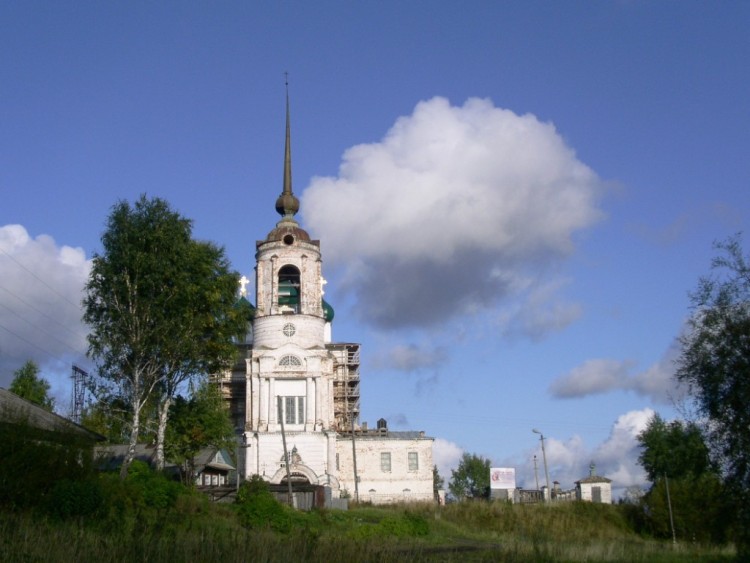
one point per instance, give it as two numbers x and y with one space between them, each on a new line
451 212
604 375
446 455
410 357
615 458
41 288
539 312
591 377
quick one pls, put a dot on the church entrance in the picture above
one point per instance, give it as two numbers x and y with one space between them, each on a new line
297 479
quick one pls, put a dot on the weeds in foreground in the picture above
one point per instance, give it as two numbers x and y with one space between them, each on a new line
149 518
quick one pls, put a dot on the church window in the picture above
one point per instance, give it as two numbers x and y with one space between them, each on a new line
385 461
413 461
290 361
289 287
292 410
289 329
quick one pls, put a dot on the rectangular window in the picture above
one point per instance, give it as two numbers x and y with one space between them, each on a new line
413 461
291 410
385 461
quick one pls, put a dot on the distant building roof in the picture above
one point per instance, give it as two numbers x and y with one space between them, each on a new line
594 479
111 457
15 409
387 435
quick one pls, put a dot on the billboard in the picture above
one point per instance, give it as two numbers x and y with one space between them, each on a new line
503 478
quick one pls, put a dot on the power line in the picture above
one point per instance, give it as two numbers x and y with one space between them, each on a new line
77 306
40 329
50 354
33 308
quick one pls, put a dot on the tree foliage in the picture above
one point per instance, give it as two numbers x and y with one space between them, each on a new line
438 483
471 479
109 416
700 510
715 364
676 449
160 308
28 385
195 423
676 453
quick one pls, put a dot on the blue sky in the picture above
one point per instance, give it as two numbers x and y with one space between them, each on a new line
513 199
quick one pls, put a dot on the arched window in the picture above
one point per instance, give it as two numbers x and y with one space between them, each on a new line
290 361
289 287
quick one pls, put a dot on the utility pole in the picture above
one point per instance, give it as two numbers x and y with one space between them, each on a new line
286 453
669 504
354 459
544 456
536 474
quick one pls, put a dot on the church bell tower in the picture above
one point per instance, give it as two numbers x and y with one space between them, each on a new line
289 371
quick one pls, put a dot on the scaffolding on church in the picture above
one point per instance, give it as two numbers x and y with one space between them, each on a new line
345 384
231 384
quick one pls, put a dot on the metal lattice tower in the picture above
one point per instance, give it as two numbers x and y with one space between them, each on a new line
79 393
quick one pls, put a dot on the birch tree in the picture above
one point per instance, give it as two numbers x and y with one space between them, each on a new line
715 364
160 307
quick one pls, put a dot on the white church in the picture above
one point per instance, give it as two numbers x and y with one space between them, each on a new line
293 386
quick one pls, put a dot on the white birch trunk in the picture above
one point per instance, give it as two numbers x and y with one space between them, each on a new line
161 431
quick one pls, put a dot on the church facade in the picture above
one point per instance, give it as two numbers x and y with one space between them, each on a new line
294 394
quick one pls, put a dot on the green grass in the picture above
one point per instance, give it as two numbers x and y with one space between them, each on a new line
148 518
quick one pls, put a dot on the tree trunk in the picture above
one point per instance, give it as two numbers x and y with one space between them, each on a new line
134 430
161 431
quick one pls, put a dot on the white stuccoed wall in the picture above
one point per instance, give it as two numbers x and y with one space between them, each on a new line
378 486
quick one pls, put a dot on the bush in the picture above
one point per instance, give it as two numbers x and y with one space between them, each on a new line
701 509
70 499
34 460
257 507
155 489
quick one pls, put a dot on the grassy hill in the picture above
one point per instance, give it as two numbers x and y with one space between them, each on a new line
189 528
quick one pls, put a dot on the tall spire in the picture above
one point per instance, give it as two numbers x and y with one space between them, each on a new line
287 204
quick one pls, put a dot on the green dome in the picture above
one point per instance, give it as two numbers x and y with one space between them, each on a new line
328 312
246 307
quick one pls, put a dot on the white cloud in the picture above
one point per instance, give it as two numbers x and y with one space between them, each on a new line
410 357
539 312
658 381
41 288
591 377
602 376
617 457
451 211
568 460
446 456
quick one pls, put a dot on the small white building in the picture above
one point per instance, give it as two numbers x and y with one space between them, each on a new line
391 466
292 383
594 488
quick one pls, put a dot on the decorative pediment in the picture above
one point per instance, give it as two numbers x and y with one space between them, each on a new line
294 457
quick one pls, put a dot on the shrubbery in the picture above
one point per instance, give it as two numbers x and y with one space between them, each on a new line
70 499
258 508
34 460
